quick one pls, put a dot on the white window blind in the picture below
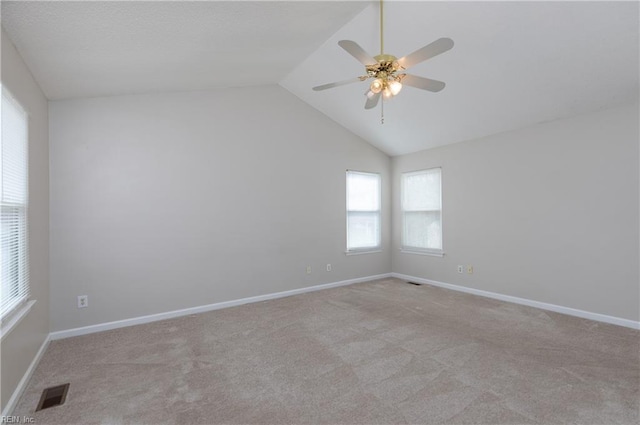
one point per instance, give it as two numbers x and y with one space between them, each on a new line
14 260
422 211
363 211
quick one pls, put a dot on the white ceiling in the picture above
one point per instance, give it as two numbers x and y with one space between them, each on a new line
89 48
514 64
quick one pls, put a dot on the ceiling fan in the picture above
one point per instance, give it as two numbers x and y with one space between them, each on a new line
387 70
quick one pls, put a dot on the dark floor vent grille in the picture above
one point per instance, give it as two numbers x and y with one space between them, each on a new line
53 396
413 283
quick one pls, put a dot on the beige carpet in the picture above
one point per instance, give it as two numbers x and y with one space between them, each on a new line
382 352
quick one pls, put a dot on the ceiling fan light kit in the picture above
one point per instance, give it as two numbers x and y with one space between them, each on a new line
387 71
386 79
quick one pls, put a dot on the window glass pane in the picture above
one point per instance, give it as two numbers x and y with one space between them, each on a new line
423 229
363 230
11 246
363 210
363 191
14 266
421 190
13 155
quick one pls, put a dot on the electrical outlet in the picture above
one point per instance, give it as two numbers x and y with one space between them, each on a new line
83 301
470 269
308 269
460 269
328 267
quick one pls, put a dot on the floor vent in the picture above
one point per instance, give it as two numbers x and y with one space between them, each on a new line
53 396
413 283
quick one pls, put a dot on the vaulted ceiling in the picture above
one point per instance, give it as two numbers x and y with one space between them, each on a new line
514 64
103 48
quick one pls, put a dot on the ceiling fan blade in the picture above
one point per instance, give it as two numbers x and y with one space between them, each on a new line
439 46
422 83
357 52
336 84
372 100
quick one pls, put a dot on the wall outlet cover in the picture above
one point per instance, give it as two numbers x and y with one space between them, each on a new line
83 301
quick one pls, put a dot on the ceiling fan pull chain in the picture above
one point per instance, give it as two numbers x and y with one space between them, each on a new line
382 111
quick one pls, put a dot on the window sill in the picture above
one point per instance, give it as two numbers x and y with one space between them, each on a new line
14 318
427 253
362 252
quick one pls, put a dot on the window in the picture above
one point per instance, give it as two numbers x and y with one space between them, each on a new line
363 211
13 216
422 211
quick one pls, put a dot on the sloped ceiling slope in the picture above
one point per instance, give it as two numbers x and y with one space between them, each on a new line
514 64
104 48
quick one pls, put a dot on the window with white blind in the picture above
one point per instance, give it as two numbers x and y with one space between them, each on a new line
14 251
422 211
363 211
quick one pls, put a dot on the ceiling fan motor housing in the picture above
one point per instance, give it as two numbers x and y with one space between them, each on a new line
386 66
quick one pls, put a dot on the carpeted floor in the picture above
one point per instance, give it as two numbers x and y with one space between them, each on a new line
382 352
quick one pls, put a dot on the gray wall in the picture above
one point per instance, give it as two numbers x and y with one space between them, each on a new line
548 213
169 201
21 345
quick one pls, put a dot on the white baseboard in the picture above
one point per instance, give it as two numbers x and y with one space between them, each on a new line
537 304
22 385
201 309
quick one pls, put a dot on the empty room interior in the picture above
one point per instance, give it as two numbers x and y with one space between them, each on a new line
320 212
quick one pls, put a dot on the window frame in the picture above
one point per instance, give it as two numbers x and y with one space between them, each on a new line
21 302
409 249
378 212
